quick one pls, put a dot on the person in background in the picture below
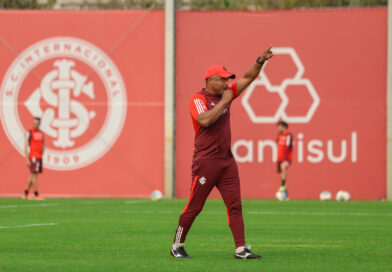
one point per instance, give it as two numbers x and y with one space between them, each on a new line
34 149
285 153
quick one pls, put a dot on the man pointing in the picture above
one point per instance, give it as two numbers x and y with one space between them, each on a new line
213 162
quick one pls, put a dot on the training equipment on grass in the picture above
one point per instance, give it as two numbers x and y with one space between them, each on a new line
325 196
281 196
156 195
342 196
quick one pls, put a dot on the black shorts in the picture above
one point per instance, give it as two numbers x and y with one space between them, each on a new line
36 165
279 163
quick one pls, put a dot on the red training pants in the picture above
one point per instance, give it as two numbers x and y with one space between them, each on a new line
207 173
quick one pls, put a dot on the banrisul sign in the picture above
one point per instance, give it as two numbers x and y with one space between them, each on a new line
328 86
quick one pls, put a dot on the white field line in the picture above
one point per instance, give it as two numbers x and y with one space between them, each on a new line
28 225
104 203
88 203
321 213
269 213
66 204
137 201
299 245
172 212
28 205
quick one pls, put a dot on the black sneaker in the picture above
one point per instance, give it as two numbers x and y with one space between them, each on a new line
179 252
246 254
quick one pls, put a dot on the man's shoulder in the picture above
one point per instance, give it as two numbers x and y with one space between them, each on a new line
200 94
36 131
198 98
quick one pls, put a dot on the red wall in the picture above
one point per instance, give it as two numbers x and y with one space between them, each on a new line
131 160
334 60
343 54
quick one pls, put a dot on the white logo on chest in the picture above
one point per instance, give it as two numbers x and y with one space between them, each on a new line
224 111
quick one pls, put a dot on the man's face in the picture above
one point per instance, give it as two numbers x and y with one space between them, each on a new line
36 123
218 84
281 129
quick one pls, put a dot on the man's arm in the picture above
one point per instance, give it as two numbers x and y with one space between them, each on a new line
43 144
288 146
209 117
26 151
253 72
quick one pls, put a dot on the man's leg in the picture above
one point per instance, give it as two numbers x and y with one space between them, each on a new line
29 182
35 183
28 186
283 175
204 179
229 187
283 171
36 169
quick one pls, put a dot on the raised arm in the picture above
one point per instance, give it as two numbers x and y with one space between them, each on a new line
254 71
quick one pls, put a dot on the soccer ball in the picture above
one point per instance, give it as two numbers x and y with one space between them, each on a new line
342 196
281 196
156 195
325 196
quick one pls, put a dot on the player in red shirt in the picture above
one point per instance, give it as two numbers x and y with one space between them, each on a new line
285 153
34 148
213 163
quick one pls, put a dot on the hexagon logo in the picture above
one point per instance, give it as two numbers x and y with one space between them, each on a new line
287 80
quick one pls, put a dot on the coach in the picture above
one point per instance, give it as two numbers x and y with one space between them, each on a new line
213 162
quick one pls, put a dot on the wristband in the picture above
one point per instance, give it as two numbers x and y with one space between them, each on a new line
260 62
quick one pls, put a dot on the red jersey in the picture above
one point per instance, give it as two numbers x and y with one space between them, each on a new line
215 140
285 147
35 139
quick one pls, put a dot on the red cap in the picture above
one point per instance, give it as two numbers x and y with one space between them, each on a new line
219 70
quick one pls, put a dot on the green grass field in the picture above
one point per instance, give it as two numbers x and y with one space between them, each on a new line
135 235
